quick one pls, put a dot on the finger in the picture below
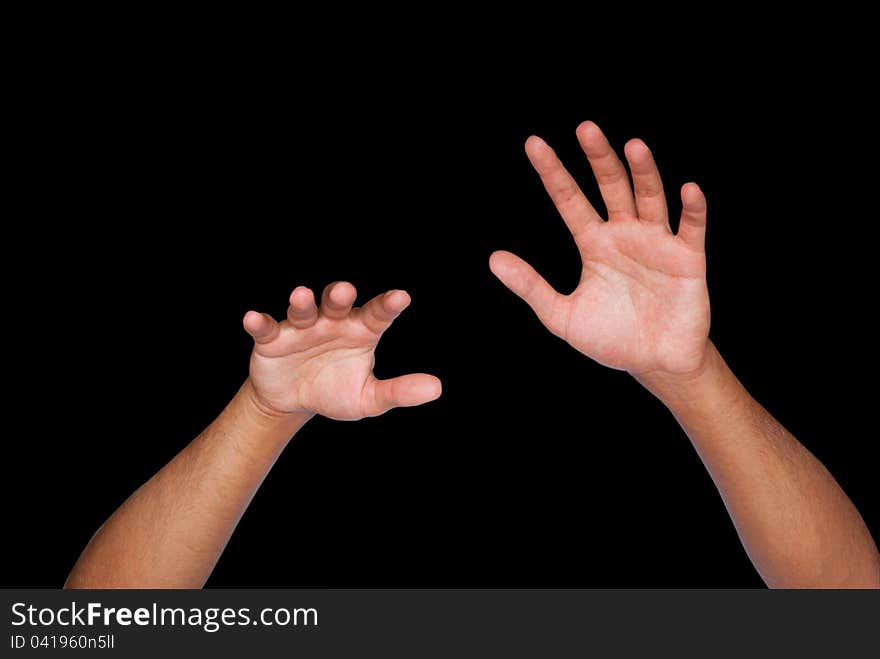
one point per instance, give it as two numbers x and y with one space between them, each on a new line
337 299
692 228
609 171
404 391
262 327
380 312
650 198
302 312
522 279
567 196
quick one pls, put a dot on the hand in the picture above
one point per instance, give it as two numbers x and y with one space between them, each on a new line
321 360
642 304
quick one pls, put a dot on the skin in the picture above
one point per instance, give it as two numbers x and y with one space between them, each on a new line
642 306
319 360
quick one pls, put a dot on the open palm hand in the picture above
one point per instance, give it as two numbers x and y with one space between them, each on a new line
642 304
320 360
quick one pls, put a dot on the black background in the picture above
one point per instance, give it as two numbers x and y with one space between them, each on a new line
165 194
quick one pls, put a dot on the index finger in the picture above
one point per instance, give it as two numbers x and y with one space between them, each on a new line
573 206
380 312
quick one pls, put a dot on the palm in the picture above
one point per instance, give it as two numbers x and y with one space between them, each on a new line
642 303
323 368
321 360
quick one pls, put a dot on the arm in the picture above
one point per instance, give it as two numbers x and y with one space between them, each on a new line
642 305
797 525
171 532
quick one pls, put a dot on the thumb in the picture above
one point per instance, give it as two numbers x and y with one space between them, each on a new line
404 391
522 279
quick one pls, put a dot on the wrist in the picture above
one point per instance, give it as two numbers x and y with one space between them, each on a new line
670 387
265 414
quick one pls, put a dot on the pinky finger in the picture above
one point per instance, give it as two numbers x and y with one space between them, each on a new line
262 327
692 228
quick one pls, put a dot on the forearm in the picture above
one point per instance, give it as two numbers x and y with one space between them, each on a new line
171 532
796 523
